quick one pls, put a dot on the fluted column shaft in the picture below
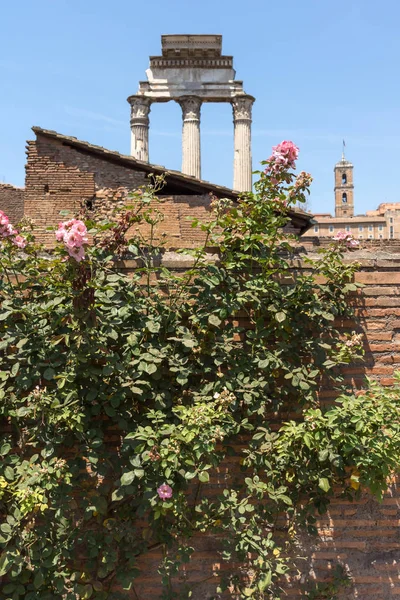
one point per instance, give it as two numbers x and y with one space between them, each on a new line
191 160
140 109
242 161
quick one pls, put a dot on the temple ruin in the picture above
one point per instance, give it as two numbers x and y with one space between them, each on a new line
192 70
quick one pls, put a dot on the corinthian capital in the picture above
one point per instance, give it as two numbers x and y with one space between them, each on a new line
191 106
140 108
241 106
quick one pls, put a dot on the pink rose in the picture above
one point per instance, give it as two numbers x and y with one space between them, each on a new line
282 158
164 491
73 239
77 252
60 232
287 150
340 236
353 243
79 227
73 234
19 241
7 230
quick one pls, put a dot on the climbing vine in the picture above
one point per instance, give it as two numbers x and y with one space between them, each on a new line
123 395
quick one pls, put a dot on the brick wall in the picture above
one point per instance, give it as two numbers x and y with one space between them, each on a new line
363 536
12 202
61 180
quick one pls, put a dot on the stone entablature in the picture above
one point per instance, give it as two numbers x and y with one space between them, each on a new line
192 68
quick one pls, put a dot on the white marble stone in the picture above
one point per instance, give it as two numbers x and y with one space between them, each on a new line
193 67
242 161
191 161
140 109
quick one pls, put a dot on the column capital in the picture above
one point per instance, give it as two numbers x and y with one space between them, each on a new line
191 106
241 106
140 109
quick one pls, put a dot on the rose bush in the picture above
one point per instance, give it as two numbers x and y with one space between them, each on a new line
121 393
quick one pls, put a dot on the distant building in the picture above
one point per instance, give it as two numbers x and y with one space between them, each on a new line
382 223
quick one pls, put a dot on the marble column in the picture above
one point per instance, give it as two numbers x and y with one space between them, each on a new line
140 109
191 160
242 167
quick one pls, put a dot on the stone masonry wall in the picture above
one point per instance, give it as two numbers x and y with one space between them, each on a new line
61 180
12 202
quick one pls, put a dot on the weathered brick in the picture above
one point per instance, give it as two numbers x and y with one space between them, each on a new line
12 202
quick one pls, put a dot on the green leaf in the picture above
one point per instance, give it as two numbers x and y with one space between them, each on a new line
86 591
265 581
150 368
117 495
127 478
153 326
14 369
9 473
22 342
136 390
324 484
5 449
204 476
280 316
49 373
38 580
214 320
323 455
5 563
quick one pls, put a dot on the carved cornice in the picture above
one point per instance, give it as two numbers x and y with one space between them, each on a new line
191 106
140 109
241 106
203 62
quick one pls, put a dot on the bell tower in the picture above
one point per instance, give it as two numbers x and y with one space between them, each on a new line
344 188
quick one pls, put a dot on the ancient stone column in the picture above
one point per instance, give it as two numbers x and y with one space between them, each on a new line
242 167
140 108
191 161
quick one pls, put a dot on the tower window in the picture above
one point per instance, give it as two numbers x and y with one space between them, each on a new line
344 178
380 228
391 220
331 228
391 236
348 228
360 228
344 198
316 229
370 228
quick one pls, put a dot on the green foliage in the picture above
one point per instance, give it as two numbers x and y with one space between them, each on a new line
114 384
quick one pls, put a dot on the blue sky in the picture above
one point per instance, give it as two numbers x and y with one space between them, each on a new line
321 71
